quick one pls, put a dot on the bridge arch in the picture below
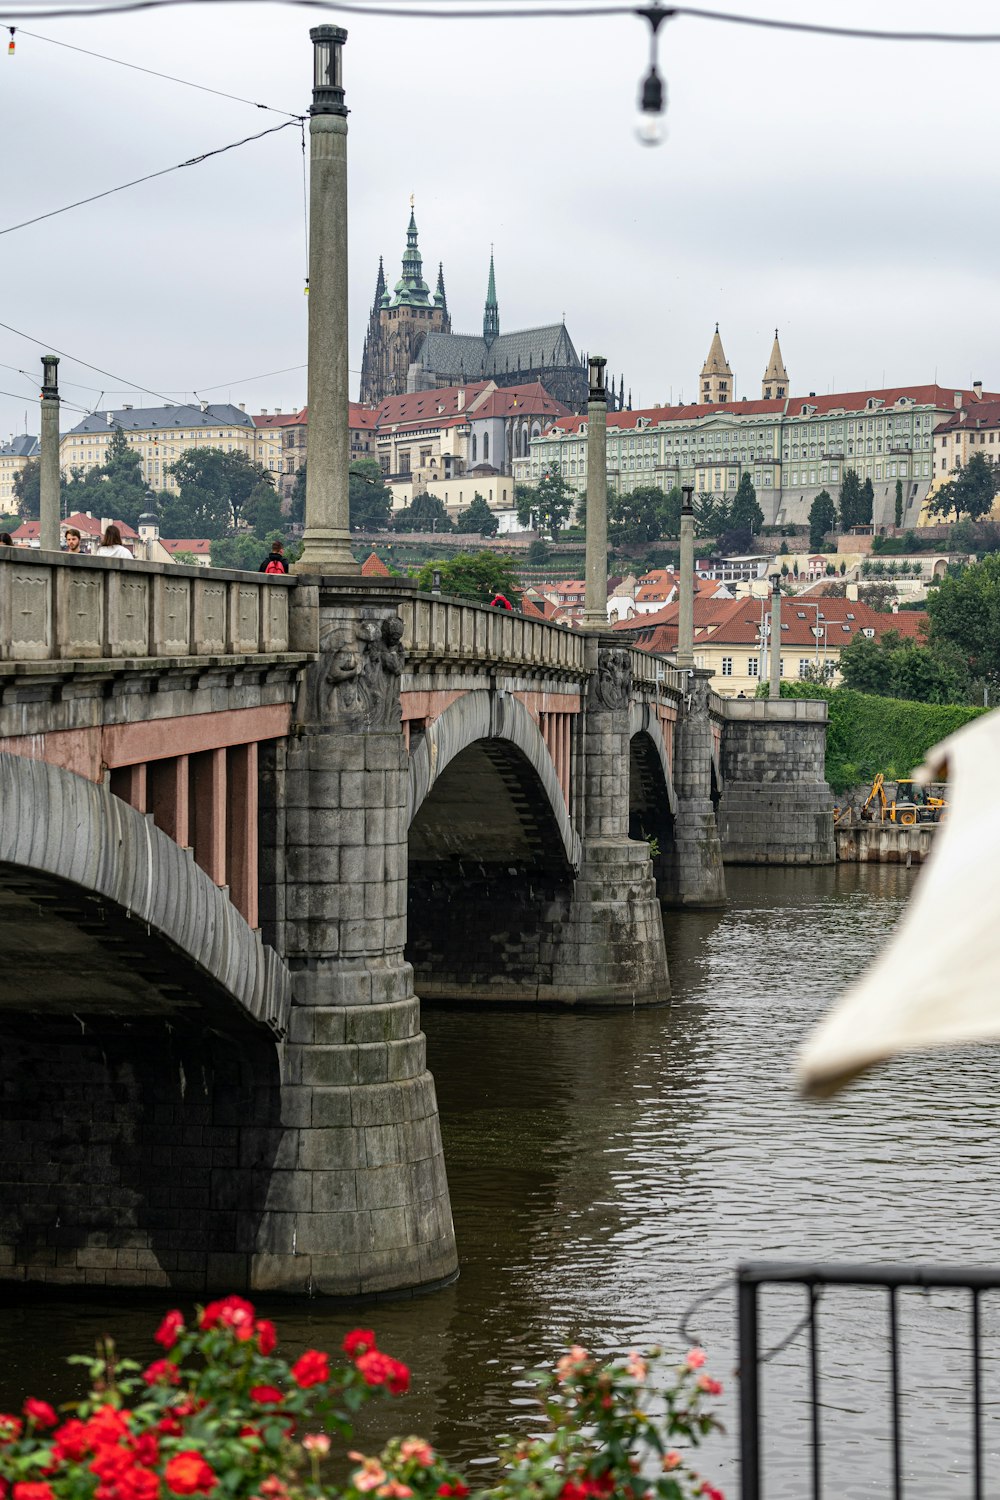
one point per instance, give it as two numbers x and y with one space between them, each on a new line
77 844
493 718
491 852
652 798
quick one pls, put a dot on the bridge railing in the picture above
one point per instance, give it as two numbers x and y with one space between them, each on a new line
443 630
651 672
54 607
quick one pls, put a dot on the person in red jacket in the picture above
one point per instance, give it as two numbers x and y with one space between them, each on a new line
500 601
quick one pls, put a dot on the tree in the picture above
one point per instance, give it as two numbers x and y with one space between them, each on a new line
195 512
538 552
866 507
426 513
899 503
849 500
965 614
473 575
241 551
297 507
116 488
229 478
710 516
548 506
971 492
263 510
637 516
370 496
478 518
895 667
745 514
822 519
28 490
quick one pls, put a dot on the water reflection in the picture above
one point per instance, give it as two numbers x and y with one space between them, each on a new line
606 1170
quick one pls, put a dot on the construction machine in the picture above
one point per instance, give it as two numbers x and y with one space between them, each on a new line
902 801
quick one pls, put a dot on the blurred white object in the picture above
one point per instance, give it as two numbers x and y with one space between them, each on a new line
937 981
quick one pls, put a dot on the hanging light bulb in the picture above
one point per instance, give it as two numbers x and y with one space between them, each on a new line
10 44
651 127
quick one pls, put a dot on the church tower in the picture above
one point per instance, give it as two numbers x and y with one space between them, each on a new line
399 322
491 313
716 385
774 386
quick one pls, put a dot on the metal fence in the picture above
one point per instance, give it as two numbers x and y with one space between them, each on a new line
816 1280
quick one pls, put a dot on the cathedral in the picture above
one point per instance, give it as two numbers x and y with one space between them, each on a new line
716 386
409 345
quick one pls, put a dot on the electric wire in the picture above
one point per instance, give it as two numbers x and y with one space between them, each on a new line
193 161
398 11
249 379
154 73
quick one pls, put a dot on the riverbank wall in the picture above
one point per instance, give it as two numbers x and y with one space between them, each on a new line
885 843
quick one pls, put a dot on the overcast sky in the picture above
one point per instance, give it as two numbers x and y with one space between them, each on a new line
840 190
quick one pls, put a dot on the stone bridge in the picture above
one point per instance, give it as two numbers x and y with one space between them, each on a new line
244 823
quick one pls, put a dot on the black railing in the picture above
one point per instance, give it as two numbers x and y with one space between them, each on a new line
815 1279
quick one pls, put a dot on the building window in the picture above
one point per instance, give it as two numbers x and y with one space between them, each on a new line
753 666
486 447
475 447
803 666
727 666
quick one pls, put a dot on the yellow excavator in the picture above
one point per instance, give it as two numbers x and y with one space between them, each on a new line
902 801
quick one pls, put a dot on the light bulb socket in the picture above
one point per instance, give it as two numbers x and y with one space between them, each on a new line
651 95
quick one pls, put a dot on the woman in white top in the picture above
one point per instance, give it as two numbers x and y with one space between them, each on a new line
111 544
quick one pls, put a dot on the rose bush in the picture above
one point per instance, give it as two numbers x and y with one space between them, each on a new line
221 1415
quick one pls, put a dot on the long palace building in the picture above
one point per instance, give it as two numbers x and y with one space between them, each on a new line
792 446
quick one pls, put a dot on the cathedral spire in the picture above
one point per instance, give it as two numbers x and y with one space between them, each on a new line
411 288
775 383
491 313
716 376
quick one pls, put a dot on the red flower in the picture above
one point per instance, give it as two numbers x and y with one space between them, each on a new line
188 1474
170 1329
710 1492
111 1463
138 1484
358 1341
71 1440
572 1491
11 1427
456 1491
39 1412
234 1313
266 1395
311 1368
28 1490
147 1450
382 1369
162 1372
709 1386
107 1426
170 1424
267 1336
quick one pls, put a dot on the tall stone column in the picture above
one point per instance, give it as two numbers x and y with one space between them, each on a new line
774 686
358 1199
49 508
693 872
610 949
685 614
595 613
327 545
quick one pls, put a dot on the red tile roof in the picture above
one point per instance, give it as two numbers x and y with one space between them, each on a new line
969 418
374 567
274 419
429 408
199 546
529 400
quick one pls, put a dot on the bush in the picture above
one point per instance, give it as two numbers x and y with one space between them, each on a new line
222 1415
868 734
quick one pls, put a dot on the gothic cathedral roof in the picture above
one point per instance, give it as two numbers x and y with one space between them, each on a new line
716 363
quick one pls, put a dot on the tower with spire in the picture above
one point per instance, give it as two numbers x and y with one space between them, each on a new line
399 322
716 384
774 386
491 312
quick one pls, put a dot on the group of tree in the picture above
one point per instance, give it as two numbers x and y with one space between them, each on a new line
473 575
734 523
970 492
546 506
245 551
643 515
899 667
424 513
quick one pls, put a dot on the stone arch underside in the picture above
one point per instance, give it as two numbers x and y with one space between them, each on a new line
652 799
492 855
138 1067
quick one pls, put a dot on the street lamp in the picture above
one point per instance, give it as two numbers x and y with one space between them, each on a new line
774 686
595 612
326 539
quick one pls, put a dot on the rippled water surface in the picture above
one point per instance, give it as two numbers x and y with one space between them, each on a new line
606 1170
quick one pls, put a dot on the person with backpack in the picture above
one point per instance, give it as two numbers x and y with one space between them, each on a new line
500 601
274 562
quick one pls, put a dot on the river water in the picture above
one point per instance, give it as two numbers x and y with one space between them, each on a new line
608 1169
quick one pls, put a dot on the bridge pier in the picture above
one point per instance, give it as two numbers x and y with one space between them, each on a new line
694 877
358 1199
776 807
609 949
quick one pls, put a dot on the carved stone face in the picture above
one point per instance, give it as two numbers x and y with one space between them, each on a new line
344 664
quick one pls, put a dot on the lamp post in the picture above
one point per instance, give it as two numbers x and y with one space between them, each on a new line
774 686
595 609
685 613
326 541
49 508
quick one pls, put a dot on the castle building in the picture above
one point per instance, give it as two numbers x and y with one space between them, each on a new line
716 376
410 346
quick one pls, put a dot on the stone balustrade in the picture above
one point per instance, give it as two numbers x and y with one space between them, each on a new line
59 608
439 630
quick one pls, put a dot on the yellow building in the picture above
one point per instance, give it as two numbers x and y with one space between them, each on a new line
160 434
973 428
13 457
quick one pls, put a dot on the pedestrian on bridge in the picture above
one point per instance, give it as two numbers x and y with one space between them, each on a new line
500 601
112 544
274 562
6 540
